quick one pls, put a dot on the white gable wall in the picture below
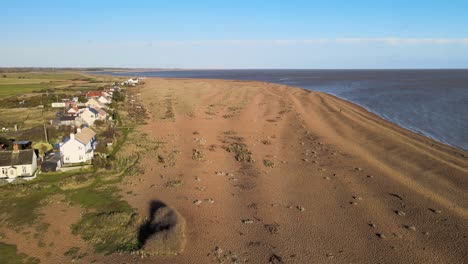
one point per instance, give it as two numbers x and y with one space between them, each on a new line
74 151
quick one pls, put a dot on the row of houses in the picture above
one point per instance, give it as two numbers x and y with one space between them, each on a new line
24 162
76 149
87 113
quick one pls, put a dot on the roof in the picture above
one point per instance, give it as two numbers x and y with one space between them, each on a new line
94 94
67 118
22 157
85 136
22 142
94 111
75 109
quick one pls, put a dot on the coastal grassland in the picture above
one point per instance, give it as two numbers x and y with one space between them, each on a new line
10 255
107 222
92 189
25 118
21 83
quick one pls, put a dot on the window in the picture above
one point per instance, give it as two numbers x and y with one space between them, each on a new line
81 157
24 169
4 171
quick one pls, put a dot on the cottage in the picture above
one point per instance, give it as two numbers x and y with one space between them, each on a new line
104 100
90 115
79 147
17 163
67 121
93 94
73 111
94 103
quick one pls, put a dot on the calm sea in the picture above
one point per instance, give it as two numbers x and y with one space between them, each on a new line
430 102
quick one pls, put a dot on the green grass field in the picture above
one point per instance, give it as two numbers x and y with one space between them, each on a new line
12 84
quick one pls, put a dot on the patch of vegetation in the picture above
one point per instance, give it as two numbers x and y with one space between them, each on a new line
198 154
9 254
174 183
241 152
227 116
268 163
109 232
230 132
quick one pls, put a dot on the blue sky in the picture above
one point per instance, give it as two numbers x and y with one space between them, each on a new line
235 34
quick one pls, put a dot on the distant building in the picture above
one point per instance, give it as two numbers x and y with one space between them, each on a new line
73 111
67 121
93 94
79 147
104 100
93 102
17 163
58 105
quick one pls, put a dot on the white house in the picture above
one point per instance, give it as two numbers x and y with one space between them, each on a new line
79 148
104 100
17 163
90 115
73 111
93 102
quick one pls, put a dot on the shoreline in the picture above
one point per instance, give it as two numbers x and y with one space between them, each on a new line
311 175
381 115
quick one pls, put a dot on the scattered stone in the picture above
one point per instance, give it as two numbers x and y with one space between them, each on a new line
302 143
275 259
272 228
400 213
358 169
330 255
197 179
247 221
201 188
357 198
197 202
372 225
300 208
370 176
397 196
353 203
275 204
381 235
209 200
425 233
410 227
435 211
326 178
305 160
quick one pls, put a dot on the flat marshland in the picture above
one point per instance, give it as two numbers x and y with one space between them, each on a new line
237 171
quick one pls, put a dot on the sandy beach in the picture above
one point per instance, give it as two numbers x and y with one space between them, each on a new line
264 173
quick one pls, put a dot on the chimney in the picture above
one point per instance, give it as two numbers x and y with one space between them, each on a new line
78 130
15 148
72 136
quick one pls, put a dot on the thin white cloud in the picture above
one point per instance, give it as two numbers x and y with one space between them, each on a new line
315 41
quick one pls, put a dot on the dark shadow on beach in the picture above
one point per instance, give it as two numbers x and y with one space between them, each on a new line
161 219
